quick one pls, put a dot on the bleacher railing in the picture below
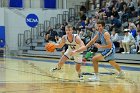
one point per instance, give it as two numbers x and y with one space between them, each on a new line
54 22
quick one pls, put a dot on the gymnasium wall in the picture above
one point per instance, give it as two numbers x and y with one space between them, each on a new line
39 3
15 23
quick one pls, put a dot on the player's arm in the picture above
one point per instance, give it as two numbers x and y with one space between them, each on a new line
93 40
79 41
108 41
61 43
88 45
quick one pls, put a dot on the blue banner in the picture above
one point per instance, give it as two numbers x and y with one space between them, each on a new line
16 3
50 4
32 20
2 36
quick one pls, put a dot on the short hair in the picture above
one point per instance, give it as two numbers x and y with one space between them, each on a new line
101 22
69 26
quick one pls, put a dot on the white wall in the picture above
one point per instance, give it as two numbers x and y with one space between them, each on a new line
32 3
15 24
1 17
39 3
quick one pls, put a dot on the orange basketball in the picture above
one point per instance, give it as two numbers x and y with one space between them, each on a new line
50 47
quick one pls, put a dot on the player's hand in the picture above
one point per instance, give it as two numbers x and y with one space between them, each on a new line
73 52
98 45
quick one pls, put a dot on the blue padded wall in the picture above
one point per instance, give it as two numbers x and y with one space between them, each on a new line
16 3
2 36
50 4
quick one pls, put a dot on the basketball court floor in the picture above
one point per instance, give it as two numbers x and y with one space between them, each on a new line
32 75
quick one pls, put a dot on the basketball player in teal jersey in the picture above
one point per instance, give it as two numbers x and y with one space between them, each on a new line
107 54
74 42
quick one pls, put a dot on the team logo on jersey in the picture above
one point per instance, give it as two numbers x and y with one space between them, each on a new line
32 20
72 46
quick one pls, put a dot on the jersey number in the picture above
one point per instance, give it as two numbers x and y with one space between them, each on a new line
72 47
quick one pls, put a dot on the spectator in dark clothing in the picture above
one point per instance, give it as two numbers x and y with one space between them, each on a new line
115 23
131 5
51 35
121 5
63 28
114 12
83 8
82 15
82 25
126 13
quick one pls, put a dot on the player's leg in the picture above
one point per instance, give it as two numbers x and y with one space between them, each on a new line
63 59
78 69
121 73
60 63
111 58
95 61
78 60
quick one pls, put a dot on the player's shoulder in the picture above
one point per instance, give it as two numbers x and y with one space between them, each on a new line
76 36
64 37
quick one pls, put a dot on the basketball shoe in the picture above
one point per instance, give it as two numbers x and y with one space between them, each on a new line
80 76
121 74
54 69
94 78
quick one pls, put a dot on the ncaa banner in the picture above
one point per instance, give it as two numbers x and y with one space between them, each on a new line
32 20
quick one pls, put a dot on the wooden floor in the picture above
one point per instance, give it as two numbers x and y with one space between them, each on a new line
32 75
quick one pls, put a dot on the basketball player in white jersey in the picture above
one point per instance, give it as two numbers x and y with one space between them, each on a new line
74 42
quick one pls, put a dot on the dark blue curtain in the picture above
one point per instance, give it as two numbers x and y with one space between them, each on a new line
16 3
50 4
2 36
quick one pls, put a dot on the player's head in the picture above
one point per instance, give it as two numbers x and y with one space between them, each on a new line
100 25
69 29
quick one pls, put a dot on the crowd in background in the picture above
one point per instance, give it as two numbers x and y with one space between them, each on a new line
122 21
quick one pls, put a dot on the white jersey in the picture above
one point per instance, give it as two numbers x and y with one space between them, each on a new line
72 45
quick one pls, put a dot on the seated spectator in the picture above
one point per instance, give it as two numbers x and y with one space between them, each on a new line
130 23
128 41
82 16
63 28
115 23
138 40
82 25
92 23
114 12
122 3
137 22
126 13
131 5
115 38
83 8
133 31
81 34
51 35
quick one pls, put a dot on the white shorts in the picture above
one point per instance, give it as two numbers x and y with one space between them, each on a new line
77 57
